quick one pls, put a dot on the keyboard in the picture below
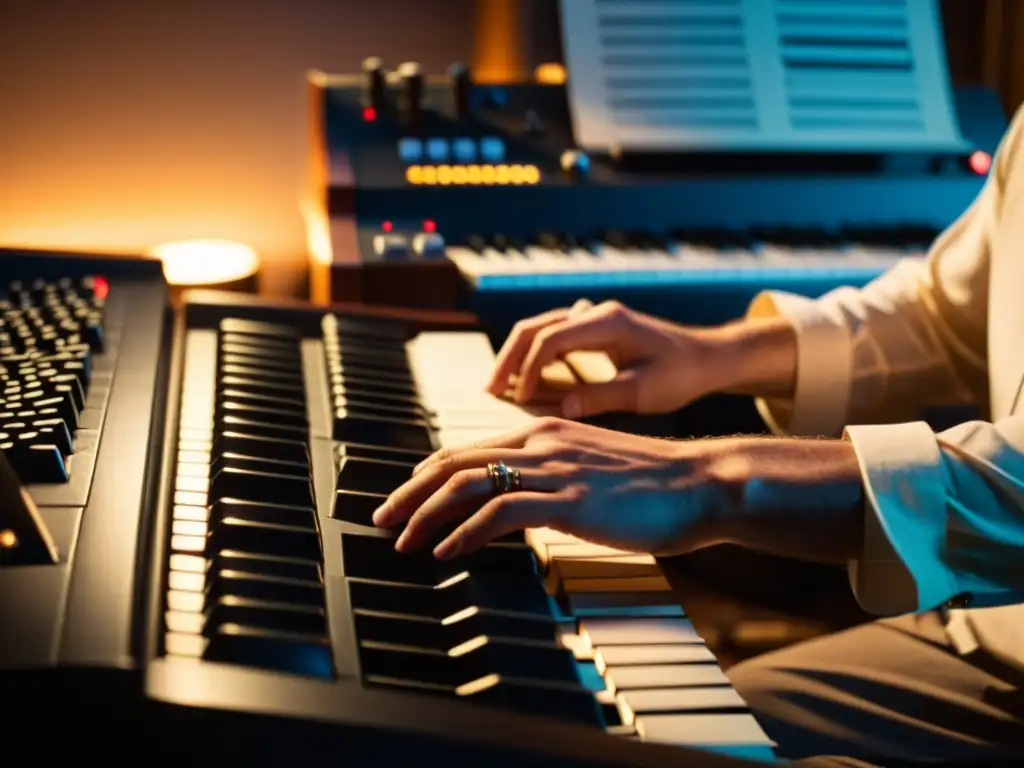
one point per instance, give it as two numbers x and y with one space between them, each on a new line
231 600
791 258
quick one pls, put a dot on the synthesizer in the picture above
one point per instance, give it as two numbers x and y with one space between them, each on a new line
435 191
186 553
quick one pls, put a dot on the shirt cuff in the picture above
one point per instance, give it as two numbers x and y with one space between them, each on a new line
901 568
823 372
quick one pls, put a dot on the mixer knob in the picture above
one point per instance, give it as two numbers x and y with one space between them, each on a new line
428 245
411 76
374 82
462 86
391 247
575 164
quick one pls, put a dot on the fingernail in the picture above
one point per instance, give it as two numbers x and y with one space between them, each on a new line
448 548
572 408
400 545
418 467
380 515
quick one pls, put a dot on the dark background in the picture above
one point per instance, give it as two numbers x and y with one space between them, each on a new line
124 123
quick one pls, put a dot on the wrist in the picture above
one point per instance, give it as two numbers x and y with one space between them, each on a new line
759 357
794 497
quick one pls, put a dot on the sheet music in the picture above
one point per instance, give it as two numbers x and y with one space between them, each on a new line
767 75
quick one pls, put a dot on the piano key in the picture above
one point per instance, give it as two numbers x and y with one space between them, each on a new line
370 476
355 507
622 604
663 676
565 702
275 539
738 735
599 632
612 585
639 703
238 442
294 653
298 619
523 599
448 633
247 485
271 589
613 567
256 464
645 655
387 432
381 453
267 565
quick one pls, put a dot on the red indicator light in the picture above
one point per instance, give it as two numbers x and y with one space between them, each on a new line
429 225
980 162
387 226
369 114
100 287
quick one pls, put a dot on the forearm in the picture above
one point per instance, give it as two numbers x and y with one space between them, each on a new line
788 496
759 357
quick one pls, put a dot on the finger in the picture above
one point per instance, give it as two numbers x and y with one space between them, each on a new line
513 440
516 346
619 395
592 330
403 501
502 515
463 493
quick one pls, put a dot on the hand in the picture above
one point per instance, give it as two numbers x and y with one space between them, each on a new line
634 493
662 366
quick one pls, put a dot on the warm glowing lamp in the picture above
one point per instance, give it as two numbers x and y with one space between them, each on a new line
214 264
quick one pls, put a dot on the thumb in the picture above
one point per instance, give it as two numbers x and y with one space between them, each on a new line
619 394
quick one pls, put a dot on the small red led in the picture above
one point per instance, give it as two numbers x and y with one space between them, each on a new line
980 162
387 226
100 287
369 114
429 225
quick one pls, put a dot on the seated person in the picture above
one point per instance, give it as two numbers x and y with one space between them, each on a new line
931 525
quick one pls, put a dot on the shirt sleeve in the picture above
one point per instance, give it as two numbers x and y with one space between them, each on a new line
945 512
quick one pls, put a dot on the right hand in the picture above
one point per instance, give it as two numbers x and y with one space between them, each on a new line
661 366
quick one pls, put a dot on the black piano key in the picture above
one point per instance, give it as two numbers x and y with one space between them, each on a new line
278 364
260 330
259 512
254 464
246 485
375 330
565 702
398 433
277 416
379 407
243 397
269 377
482 655
422 665
427 632
520 599
253 613
271 589
355 507
267 565
370 476
367 372
297 654
232 441
237 534
400 455
262 429
34 463
361 386
288 390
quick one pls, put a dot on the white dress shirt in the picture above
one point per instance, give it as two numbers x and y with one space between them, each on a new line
945 519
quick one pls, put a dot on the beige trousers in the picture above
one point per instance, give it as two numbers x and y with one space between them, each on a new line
886 692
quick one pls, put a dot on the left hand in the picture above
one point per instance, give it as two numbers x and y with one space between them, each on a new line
634 493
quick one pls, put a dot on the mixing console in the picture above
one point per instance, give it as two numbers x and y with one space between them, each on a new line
438 192
208 576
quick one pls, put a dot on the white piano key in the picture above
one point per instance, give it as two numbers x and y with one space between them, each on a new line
609 567
618 585
624 605
654 631
663 701
647 655
703 730
663 676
